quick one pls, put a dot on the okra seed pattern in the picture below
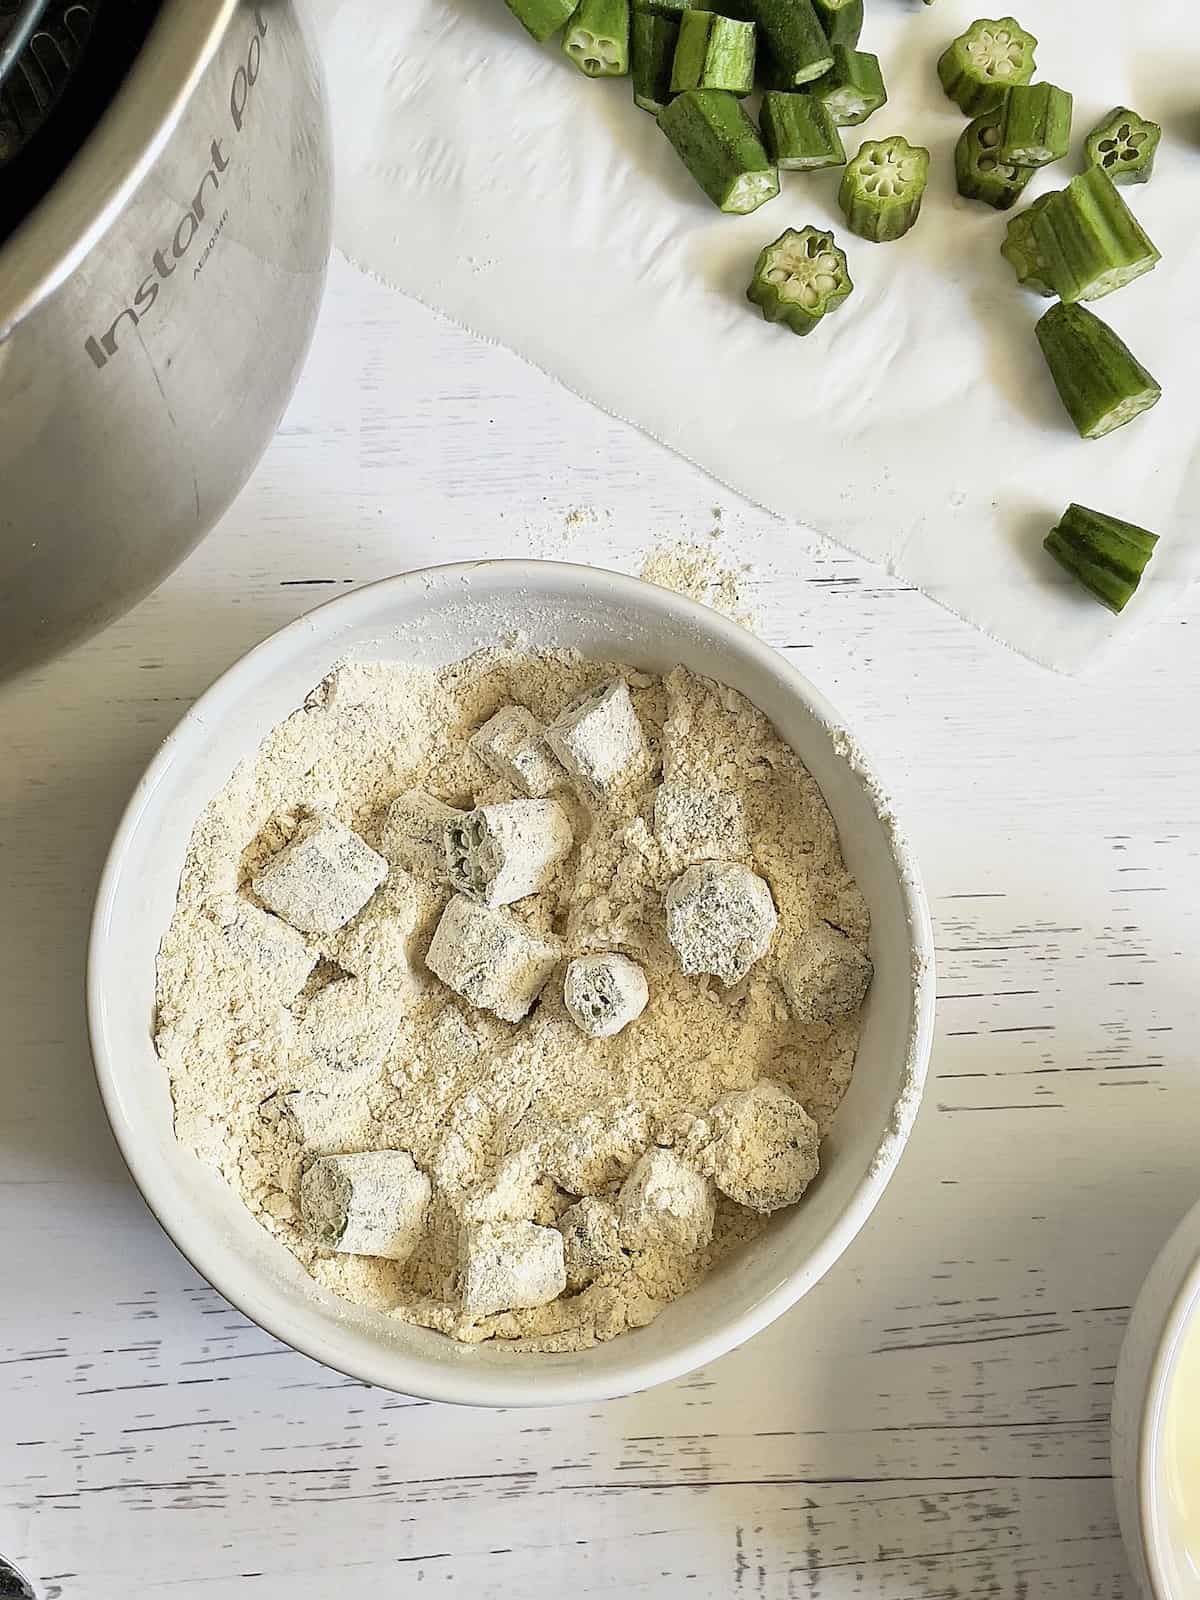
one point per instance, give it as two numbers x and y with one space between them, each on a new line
1123 146
889 174
808 274
594 52
998 54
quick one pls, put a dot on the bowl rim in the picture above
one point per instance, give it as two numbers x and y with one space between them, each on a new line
401 1371
1181 1311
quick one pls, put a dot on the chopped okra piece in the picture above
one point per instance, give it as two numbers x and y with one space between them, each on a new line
1124 145
591 1241
791 31
979 68
513 742
853 88
1035 125
502 853
824 975
1100 381
492 960
1104 554
324 876
761 1148
662 8
1090 241
652 42
799 278
599 738
597 38
510 1266
414 829
541 18
604 993
721 919
665 1204
799 133
1020 249
713 53
721 148
980 171
883 187
369 1204
696 822
842 20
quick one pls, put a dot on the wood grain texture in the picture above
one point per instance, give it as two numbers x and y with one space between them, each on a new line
931 1422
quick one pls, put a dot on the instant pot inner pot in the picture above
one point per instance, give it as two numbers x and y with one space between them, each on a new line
61 63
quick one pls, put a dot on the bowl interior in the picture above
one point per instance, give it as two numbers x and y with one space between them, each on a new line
1169 1466
434 618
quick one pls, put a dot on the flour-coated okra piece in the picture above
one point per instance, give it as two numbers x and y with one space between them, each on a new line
369 1204
720 920
498 854
322 877
490 958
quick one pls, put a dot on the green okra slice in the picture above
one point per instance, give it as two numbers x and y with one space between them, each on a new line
853 88
798 132
1124 145
1090 241
597 38
1035 124
842 20
662 8
979 67
541 18
800 278
721 148
652 41
882 188
980 171
1020 249
791 32
1101 382
1107 556
713 52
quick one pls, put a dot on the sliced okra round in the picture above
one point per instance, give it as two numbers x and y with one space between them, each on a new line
799 278
979 67
882 188
1124 145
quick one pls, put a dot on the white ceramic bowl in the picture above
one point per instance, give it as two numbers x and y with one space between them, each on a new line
435 617
1163 1333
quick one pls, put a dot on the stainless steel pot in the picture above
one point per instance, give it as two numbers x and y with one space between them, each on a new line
155 310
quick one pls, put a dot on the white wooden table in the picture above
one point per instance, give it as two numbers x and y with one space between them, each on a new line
932 1420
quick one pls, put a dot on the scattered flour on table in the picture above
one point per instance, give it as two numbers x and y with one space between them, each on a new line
697 571
286 1047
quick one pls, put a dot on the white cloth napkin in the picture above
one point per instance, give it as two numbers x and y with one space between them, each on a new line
485 176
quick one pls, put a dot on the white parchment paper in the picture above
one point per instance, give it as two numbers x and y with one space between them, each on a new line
485 176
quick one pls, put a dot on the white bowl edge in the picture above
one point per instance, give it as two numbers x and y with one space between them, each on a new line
1163 1315
319 1325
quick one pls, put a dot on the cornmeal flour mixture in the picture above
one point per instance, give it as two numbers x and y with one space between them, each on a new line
512 995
